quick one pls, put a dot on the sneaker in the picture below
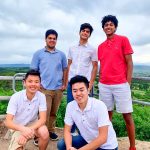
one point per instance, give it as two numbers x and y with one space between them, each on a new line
53 136
35 141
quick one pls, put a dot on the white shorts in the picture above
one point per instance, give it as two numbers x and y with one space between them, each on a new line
119 94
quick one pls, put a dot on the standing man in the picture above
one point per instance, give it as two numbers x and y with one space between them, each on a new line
26 114
52 65
82 60
116 66
91 117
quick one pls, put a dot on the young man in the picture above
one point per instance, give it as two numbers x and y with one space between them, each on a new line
115 56
22 114
91 118
52 65
82 60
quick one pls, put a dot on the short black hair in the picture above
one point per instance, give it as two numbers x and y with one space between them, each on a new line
86 25
51 31
32 72
109 18
79 79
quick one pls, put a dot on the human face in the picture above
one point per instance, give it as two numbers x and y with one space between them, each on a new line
85 34
109 28
32 84
51 41
80 93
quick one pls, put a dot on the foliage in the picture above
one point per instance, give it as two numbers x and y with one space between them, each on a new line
61 113
140 91
3 107
141 119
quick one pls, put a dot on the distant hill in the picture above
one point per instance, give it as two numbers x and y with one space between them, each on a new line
14 65
139 70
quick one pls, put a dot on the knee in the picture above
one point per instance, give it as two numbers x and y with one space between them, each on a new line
43 132
61 144
128 119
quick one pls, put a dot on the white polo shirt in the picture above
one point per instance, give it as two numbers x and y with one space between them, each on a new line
82 57
95 115
24 110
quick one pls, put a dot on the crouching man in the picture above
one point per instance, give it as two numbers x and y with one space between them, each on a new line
26 114
91 117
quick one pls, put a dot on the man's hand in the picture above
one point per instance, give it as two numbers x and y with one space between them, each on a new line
72 148
27 132
63 87
22 140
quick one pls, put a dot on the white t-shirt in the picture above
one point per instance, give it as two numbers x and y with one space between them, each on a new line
95 115
82 57
26 111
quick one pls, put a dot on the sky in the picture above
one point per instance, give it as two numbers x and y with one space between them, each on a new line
23 24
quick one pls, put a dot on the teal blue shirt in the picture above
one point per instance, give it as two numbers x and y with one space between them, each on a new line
51 66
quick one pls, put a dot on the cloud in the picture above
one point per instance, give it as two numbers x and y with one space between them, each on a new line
23 25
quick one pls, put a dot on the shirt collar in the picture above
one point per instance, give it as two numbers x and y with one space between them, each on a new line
88 106
113 39
54 51
26 99
85 45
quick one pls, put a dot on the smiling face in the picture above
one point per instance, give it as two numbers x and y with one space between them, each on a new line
109 28
80 93
85 34
32 84
51 41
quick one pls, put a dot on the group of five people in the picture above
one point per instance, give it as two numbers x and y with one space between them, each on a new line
30 109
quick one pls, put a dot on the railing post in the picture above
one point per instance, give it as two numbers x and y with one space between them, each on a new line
14 81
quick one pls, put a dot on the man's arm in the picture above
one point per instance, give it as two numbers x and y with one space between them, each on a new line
129 62
65 76
26 131
41 121
68 68
93 74
97 142
67 137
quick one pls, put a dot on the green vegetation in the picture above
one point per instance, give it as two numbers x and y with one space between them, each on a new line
140 91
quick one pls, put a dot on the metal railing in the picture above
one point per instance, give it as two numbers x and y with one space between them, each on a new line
20 76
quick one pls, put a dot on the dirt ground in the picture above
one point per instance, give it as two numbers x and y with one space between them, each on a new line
123 142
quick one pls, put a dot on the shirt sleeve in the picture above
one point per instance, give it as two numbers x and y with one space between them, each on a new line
127 49
94 55
68 119
12 105
35 62
42 106
69 54
103 117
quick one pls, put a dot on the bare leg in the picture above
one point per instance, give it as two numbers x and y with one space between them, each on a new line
130 128
43 135
110 115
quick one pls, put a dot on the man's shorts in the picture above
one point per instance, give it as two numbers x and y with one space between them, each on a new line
14 138
119 94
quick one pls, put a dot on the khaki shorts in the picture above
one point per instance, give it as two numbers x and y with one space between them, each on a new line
119 94
14 138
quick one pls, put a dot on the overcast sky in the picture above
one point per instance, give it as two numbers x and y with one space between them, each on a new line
23 24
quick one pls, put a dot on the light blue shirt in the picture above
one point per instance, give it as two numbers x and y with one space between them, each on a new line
51 66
